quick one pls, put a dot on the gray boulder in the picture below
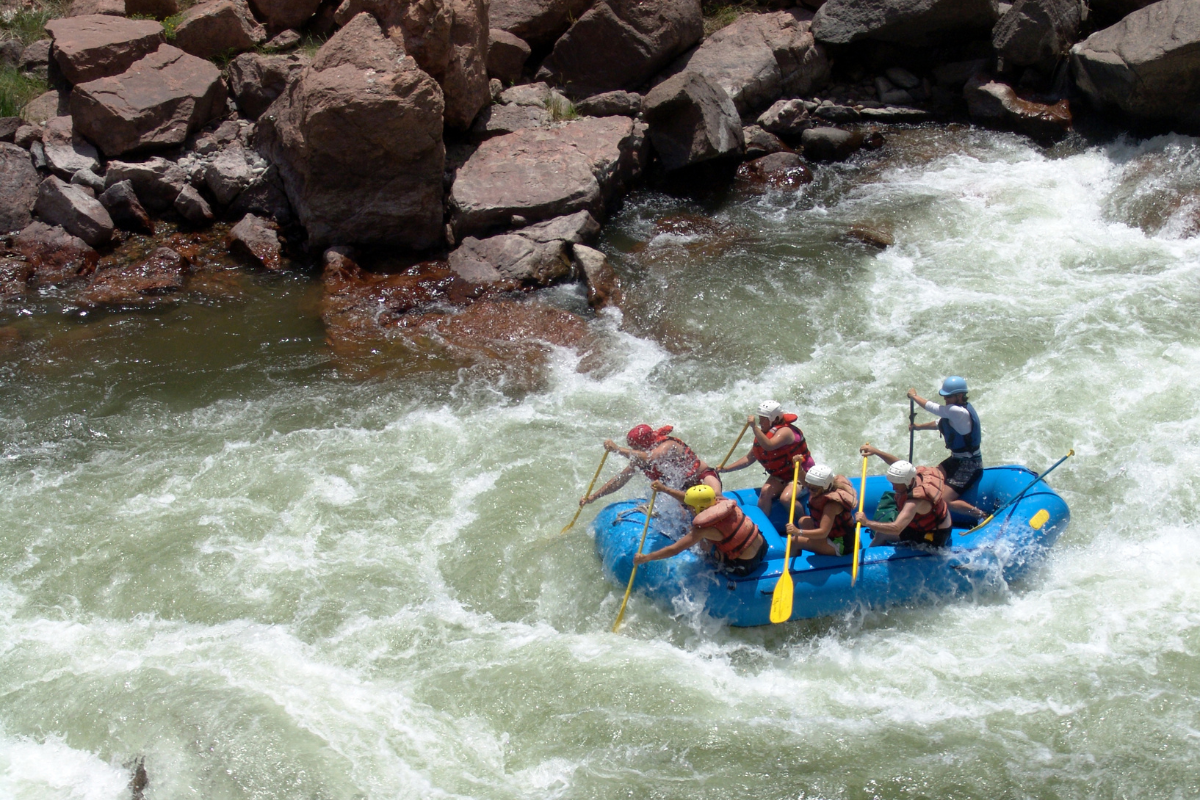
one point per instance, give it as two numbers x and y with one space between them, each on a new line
1037 33
538 255
18 188
228 174
96 46
36 58
1147 65
762 143
911 22
158 102
506 55
264 197
66 151
156 181
528 94
9 127
46 107
257 238
218 27
10 52
611 104
499 120
255 80
620 44
787 118
283 41
538 22
361 95
193 207
75 210
603 287
89 179
126 210
691 121
830 144
761 57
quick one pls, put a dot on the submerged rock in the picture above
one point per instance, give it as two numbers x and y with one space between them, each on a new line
14 278
259 240
55 256
780 171
147 283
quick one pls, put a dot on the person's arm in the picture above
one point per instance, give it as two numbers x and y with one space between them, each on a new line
923 426
891 530
662 488
782 438
675 548
823 530
616 482
960 418
627 452
868 450
741 463
916 398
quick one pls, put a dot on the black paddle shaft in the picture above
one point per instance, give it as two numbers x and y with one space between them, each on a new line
912 417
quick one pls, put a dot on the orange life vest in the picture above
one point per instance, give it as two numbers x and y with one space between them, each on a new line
778 462
676 469
844 495
927 487
736 528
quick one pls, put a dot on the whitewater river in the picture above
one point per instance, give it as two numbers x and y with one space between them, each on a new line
269 578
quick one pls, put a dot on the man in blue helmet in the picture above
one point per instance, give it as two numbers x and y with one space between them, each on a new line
959 426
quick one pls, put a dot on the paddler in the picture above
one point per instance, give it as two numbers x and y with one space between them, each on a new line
776 442
659 457
831 504
959 426
719 523
923 516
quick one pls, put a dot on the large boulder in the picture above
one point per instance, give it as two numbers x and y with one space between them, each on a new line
447 38
255 80
218 27
357 139
620 44
506 55
830 144
691 120
761 57
611 104
1037 33
144 284
73 208
538 22
283 14
787 118
1147 65
97 46
18 188
912 22
536 174
158 102
997 105
56 256
156 181
538 255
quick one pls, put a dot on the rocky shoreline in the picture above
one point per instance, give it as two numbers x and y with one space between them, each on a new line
485 144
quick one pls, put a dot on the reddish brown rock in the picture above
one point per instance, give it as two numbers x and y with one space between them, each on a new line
538 22
911 22
55 256
14 278
603 287
283 14
159 9
506 55
996 104
192 206
46 107
218 27
256 80
361 95
257 239
125 209
18 188
780 171
692 121
158 102
142 285
97 46
81 8
75 210
762 143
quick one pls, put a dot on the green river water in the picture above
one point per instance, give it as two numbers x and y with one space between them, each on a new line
269 578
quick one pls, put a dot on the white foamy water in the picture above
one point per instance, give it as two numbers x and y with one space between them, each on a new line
271 581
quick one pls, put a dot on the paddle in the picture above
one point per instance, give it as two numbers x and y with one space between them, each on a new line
1035 481
912 417
588 493
633 572
735 444
862 497
781 600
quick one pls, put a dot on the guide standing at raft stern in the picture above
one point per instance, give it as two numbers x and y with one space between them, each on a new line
776 442
660 458
959 426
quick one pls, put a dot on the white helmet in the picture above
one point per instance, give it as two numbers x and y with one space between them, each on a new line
820 476
770 409
901 472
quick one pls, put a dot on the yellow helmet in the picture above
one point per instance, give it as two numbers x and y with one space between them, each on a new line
700 496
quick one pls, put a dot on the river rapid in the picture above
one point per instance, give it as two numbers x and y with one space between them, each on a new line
271 577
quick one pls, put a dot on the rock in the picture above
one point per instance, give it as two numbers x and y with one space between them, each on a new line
910 22
830 144
361 94
572 228
495 87
256 80
66 152
55 256
38 154
499 120
995 104
604 289
157 181
145 284
10 52
287 40
97 46
620 44
228 174
81 8
957 73
528 94
283 14
18 188
158 102
264 197
74 210
902 78
788 118
194 209
896 97
761 57
123 206
159 9
895 114
835 112
36 57
89 179
611 104
511 258
27 134
538 22
1110 12
506 55
257 238
447 38
691 121
14 279
542 173
1037 33
218 27
874 237
8 128
1147 65
762 143
781 171
46 107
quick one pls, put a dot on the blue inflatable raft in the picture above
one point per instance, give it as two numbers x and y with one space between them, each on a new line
983 560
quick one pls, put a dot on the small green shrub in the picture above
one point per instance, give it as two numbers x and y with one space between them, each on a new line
17 89
310 44
720 13
171 25
561 109
27 25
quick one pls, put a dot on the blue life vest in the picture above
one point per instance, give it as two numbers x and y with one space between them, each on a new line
957 443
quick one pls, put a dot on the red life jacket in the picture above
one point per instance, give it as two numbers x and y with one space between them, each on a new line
778 462
676 469
927 487
844 495
736 528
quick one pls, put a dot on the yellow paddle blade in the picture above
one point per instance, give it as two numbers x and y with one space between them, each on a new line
781 598
633 572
